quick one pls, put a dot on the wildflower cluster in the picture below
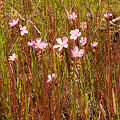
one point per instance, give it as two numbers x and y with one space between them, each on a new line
62 43
23 30
75 34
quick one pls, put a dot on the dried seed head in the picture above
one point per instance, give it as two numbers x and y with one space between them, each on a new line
71 74
72 62
78 68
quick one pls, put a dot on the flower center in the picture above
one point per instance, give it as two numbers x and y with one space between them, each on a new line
76 54
62 45
75 34
37 45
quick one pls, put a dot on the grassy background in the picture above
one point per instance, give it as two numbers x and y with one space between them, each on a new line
75 93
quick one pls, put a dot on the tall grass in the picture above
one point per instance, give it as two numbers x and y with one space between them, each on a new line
86 88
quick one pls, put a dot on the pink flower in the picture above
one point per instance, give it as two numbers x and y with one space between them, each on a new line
107 15
83 41
50 77
61 43
72 16
75 34
94 44
40 45
14 22
77 53
23 30
13 57
83 25
88 14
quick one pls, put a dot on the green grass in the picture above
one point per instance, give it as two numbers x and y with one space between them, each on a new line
75 92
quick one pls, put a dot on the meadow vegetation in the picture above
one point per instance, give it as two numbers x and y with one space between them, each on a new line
59 60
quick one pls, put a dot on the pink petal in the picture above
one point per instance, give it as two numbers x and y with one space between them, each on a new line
49 77
11 24
65 39
10 58
30 44
43 44
76 48
72 32
14 55
75 56
20 27
81 52
74 14
76 30
88 14
33 42
60 48
49 81
71 37
53 75
22 33
38 41
66 45
25 31
17 19
36 46
110 14
79 34
14 22
56 46
72 51
59 40
24 27
75 38
105 15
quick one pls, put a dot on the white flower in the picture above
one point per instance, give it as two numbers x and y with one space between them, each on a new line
13 57
50 77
